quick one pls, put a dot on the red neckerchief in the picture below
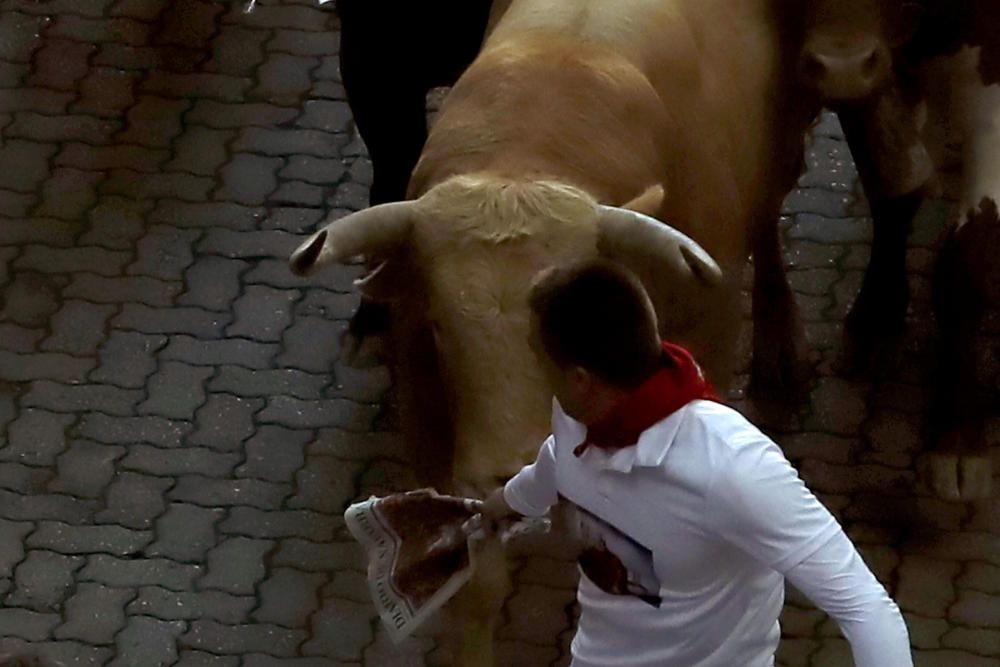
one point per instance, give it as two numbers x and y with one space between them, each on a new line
676 384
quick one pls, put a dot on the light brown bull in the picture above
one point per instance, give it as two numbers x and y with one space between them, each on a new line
574 112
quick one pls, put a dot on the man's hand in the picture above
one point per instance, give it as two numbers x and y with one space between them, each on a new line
495 508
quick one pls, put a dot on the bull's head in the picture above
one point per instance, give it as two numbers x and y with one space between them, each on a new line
457 264
847 45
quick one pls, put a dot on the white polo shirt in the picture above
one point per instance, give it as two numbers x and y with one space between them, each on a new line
724 514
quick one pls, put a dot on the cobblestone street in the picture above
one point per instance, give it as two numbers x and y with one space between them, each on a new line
177 439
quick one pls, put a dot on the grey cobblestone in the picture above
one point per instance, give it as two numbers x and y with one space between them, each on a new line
12 534
312 344
201 85
290 142
82 397
66 128
116 222
262 313
31 299
189 460
72 260
293 219
127 359
128 430
187 187
94 614
48 365
19 35
252 522
213 283
281 16
214 637
164 253
236 565
274 454
249 179
117 156
35 99
313 557
78 328
185 532
313 169
188 23
140 289
225 492
134 501
147 642
18 231
241 381
27 624
52 507
326 115
106 93
36 437
19 339
22 478
60 64
201 150
325 484
225 421
153 121
211 352
237 51
176 390
295 413
297 193
42 581
118 572
32 159
221 115
289 598
203 659
194 322
275 273
348 585
85 469
341 630
109 539
189 606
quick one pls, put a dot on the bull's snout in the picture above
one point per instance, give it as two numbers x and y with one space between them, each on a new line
845 69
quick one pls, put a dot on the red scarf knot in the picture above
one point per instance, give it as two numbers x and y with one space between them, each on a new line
677 383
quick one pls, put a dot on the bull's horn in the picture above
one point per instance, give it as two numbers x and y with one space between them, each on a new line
373 231
651 246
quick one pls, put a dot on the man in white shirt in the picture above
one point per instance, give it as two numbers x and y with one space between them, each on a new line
702 515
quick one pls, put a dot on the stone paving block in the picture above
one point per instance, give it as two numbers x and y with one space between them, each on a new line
147 642
82 397
188 23
300 43
116 222
213 637
220 115
36 437
94 613
39 507
175 391
312 344
296 413
133 573
351 196
274 454
250 354
72 260
313 557
225 492
128 430
85 469
194 322
109 539
950 658
16 204
171 605
116 156
91 30
284 79
281 16
236 565
925 633
138 185
326 115
32 159
237 51
43 580
128 359
41 100
289 597
829 229
926 586
261 660
252 522
19 35
207 214
263 383
134 501
281 142
276 273
976 610
839 407
70 653
19 229
12 534
148 59
981 577
190 658
27 624
364 385
219 87
19 339
960 546
297 193
213 283
983 642
153 121
262 313
294 219
349 585
60 64
22 478
325 484
12 75
142 10
850 479
47 365
185 532
63 128
201 150
249 179
189 460
341 629
78 328
106 92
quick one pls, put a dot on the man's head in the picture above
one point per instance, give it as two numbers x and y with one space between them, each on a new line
594 331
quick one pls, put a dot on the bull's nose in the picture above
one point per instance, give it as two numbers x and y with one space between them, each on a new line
842 72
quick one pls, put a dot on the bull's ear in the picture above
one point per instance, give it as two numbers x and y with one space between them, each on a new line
384 283
649 202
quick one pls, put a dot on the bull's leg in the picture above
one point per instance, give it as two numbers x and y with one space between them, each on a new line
780 367
895 169
959 465
475 610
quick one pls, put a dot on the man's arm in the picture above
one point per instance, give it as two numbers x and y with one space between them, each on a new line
531 492
837 581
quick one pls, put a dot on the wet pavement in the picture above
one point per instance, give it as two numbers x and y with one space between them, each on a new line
177 438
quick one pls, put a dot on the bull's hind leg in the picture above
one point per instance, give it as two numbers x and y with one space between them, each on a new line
475 610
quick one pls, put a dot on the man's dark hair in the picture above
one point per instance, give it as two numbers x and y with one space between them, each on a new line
593 314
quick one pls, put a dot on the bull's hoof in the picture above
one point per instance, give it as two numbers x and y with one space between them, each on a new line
960 478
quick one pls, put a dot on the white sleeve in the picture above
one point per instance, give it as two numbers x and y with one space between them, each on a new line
532 491
837 581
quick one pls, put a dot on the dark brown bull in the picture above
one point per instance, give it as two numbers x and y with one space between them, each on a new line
947 62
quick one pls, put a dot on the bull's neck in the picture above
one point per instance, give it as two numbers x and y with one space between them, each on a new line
538 106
